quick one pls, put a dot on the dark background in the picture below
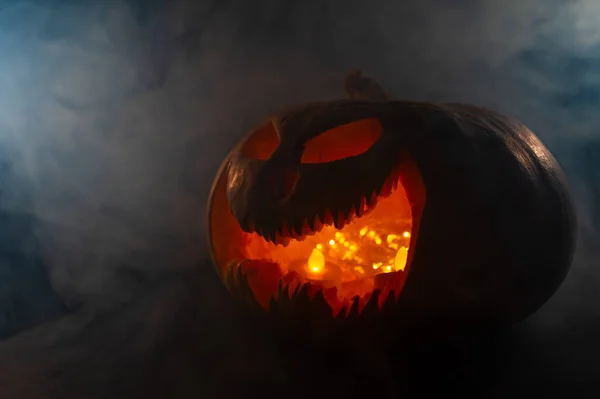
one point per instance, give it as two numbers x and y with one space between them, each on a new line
115 115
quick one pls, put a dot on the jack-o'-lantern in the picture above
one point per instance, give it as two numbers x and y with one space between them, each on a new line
435 211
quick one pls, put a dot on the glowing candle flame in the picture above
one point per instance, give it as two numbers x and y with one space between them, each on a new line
401 258
316 261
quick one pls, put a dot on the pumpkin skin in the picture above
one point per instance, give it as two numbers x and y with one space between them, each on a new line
493 226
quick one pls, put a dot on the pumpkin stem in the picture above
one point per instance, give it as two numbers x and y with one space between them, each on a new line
359 86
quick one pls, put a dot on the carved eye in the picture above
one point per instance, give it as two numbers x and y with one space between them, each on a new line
342 141
262 143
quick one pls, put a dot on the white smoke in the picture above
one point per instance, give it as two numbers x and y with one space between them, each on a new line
115 123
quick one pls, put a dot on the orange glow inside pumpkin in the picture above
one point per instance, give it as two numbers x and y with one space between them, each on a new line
341 142
349 259
371 252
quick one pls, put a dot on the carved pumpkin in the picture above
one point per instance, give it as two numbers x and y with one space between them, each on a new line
431 211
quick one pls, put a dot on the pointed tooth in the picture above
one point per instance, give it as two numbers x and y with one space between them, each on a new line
386 189
351 213
273 236
395 177
327 218
398 178
311 223
285 231
318 226
373 200
296 228
293 233
270 236
306 229
284 241
340 220
362 207
297 231
249 226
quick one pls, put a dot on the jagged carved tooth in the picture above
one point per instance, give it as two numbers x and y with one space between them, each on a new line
311 223
306 229
248 226
386 188
373 200
317 225
280 240
351 214
361 209
273 235
269 236
395 177
327 217
300 237
285 231
296 230
340 220
397 171
293 233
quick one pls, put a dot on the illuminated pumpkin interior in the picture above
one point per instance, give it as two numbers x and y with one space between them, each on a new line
371 252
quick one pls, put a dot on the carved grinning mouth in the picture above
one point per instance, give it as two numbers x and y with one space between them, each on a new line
347 245
313 224
344 229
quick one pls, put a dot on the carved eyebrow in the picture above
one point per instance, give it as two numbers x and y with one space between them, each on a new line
343 141
262 143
